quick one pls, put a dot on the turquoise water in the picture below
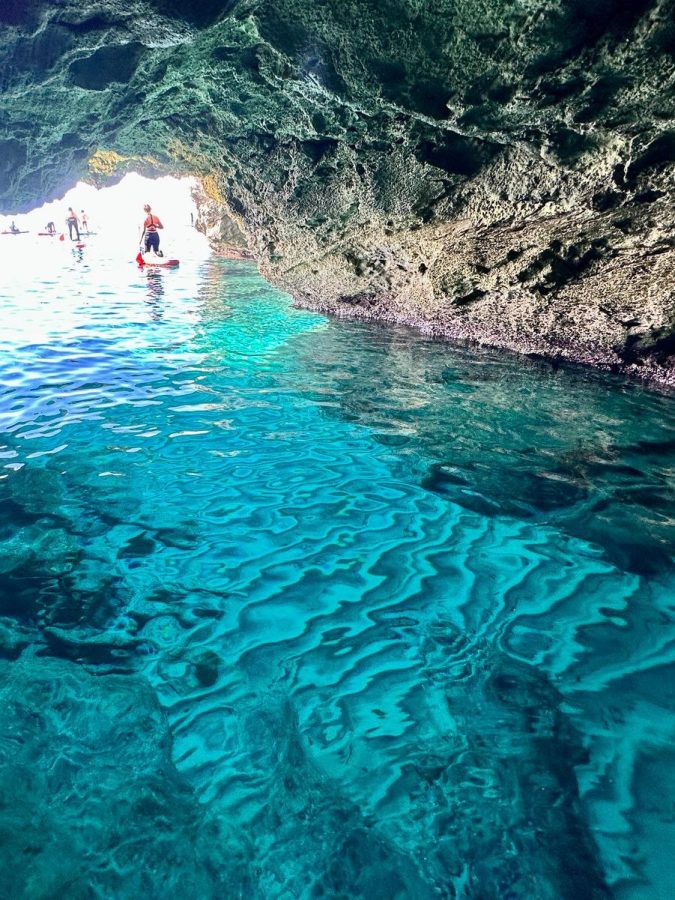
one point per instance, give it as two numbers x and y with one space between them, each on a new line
295 608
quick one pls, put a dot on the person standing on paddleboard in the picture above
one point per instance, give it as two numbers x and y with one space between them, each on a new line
73 224
85 221
150 236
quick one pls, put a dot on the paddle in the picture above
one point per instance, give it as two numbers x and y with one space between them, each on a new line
139 257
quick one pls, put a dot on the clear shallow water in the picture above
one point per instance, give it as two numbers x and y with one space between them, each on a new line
296 608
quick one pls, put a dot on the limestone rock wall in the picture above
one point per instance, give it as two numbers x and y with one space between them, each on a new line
490 169
225 236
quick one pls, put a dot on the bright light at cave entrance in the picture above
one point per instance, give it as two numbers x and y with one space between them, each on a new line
32 264
115 216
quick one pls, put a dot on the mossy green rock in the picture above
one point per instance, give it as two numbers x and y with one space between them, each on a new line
495 170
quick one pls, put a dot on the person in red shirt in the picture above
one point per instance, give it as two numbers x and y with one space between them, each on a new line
151 227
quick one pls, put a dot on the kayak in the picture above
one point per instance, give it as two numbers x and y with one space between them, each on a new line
157 262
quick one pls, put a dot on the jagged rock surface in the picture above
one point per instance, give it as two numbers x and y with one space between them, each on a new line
481 168
225 236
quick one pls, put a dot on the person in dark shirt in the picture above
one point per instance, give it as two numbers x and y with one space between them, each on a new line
73 224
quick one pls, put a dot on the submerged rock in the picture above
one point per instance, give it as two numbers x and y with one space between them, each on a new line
503 173
92 804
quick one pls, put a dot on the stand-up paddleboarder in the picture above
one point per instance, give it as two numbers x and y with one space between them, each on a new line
73 224
150 235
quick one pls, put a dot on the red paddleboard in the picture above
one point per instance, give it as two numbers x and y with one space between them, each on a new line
79 245
157 261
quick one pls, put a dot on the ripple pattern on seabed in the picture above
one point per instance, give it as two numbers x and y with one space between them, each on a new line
298 608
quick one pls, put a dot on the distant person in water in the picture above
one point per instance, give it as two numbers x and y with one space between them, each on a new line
84 218
73 224
150 236
51 228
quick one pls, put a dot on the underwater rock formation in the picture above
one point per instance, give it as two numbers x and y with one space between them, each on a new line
497 171
92 803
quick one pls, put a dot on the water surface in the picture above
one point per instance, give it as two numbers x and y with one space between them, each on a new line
300 608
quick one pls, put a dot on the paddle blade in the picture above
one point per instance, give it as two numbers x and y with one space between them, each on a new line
139 259
62 238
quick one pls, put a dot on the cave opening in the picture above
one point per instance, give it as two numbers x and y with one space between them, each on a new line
113 215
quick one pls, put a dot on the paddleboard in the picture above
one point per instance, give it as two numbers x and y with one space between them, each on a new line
13 232
158 262
48 234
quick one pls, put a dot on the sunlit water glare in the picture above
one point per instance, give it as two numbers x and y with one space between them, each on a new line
296 608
